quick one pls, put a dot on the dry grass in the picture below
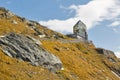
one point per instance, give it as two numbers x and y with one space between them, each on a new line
13 69
80 60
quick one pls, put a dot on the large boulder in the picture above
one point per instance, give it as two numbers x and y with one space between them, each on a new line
80 31
27 49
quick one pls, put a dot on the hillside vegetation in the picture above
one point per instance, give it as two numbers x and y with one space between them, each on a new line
81 60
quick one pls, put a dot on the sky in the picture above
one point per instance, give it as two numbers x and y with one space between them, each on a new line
102 17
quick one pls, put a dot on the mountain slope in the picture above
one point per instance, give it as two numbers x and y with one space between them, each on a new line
81 60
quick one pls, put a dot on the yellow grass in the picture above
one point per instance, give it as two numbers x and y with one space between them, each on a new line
80 60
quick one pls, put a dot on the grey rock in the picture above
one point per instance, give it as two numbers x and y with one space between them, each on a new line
79 30
71 35
3 9
107 53
5 13
26 49
14 22
32 24
112 58
9 14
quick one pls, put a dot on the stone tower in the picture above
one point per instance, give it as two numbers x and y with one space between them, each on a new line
80 30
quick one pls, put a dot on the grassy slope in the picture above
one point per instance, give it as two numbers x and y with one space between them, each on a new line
80 61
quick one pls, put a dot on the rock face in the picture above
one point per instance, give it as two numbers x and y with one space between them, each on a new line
26 49
109 54
79 30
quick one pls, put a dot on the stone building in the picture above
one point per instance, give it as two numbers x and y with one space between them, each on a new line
80 31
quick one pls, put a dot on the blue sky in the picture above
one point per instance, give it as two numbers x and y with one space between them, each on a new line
102 17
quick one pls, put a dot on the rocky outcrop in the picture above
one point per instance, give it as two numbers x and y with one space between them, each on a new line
27 49
79 30
107 53
115 67
5 13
